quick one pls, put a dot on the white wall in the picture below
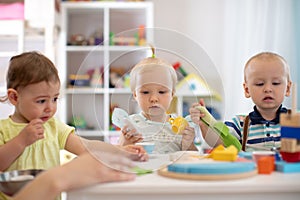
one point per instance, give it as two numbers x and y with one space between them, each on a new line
230 32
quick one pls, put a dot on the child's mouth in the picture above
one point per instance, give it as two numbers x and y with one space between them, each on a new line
268 99
44 118
154 108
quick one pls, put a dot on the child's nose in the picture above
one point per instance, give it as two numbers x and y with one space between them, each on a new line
154 98
268 88
50 106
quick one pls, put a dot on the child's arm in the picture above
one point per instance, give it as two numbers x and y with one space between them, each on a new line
83 171
10 151
187 142
211 138
78 146
218 127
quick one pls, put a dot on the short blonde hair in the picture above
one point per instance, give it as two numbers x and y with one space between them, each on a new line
149 64
268 56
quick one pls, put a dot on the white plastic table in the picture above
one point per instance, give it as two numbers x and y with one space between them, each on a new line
153 186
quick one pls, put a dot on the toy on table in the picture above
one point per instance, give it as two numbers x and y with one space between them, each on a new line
209 170
220 128
290 139
141 171
290 129
265 165
178 124
224 154
221 164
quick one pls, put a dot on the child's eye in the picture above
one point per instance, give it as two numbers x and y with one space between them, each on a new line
144 92
41 101
162 92
276 83
259 84
55 99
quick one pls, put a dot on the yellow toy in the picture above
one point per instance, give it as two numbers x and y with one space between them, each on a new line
178 124
220 128
224 154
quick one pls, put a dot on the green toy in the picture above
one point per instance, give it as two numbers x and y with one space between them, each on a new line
140 171
220 128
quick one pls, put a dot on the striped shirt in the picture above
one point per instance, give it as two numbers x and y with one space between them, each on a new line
261 133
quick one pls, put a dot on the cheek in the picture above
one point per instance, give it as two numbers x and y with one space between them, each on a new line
140 100
55 108
168 100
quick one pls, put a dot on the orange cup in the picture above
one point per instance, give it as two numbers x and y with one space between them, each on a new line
266 165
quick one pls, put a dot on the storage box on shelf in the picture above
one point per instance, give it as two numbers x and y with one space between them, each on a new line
97 39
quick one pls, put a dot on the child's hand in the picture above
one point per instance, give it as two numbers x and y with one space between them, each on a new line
195 113
136 152
129 136
188 136
87 169
32 132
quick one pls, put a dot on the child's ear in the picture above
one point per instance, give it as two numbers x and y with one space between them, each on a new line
12 95
288 89
134 94
246 90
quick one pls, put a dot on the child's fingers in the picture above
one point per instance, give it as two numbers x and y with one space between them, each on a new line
36 122
128 133
188 131
195 104
201 102
114 161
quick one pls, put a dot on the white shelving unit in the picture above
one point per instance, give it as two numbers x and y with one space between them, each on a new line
18 35
13 29
123 19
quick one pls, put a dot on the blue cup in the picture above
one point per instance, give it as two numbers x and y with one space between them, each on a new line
148 146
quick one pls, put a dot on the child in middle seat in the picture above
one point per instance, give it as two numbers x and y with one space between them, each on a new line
266 81
152 82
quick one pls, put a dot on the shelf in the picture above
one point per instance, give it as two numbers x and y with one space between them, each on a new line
84 48
124 48
99 19
88 90
102 48
119 91
85 90
83 6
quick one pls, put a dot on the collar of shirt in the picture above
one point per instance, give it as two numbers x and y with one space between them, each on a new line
256 117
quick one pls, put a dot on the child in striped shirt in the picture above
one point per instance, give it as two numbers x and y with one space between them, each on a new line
266 82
